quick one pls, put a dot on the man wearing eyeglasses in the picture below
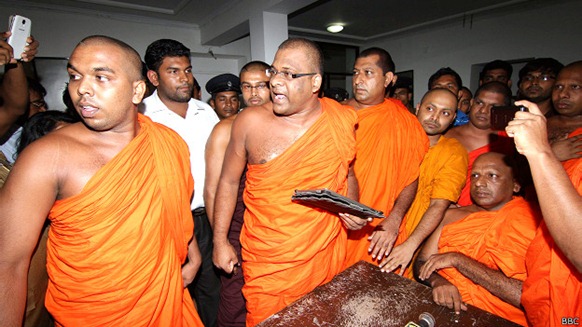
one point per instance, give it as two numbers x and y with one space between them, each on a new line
536 81
255 91
255 84
391 145
303 142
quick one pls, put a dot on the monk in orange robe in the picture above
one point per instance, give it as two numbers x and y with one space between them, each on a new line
477 136
390 147
303 142
552 292
498 240
441 178
98 273
299 245
502 144
121 226
481 248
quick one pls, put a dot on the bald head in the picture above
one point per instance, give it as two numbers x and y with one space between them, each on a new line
255 66
493 180
312 50
134 63
567 92
445 93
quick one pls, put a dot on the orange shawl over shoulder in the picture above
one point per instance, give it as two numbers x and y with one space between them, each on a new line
553 288
442 175
391 144
115 250
503 144
288 249
497 239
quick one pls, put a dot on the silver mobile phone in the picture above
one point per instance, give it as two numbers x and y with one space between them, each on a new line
20 27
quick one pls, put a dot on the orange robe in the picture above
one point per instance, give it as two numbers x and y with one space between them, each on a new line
442 175
553 288
115 250
503 144
497 239
288 249
391 144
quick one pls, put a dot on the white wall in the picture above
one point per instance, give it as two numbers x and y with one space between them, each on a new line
552 30
58 32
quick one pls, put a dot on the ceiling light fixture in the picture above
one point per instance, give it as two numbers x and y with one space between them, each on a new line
335 28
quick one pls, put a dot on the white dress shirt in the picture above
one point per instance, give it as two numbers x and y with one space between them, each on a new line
11 145
194 129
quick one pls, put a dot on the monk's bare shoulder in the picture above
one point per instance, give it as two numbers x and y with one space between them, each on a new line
73 154
221 131
456 132
455 214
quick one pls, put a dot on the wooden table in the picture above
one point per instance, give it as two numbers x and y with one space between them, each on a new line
363 296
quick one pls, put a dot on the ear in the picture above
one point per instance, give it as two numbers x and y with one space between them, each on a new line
316 83
509 83
417 109
211 103
153 77
409 97
139 89
516 186
389 78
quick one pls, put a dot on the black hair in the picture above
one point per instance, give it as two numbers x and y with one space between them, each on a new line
34 85
497 64
160 49
444 71
496 87
40 124
544 65
385 62
337 93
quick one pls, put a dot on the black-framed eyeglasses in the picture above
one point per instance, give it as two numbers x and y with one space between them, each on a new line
260 86
38 103
272 72
543 78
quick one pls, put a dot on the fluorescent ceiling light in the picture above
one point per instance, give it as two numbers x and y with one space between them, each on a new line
335 28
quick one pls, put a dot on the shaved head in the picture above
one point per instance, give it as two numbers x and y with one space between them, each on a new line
313 51
134 64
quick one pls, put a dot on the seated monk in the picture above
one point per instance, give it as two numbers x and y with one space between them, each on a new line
117 190
303 142
442 176
477 136
477 255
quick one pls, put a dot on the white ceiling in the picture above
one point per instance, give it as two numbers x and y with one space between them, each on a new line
364 20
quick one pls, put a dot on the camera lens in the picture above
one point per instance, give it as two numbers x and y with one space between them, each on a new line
23 22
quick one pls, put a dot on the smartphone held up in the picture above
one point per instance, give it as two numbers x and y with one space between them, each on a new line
19 27
502 115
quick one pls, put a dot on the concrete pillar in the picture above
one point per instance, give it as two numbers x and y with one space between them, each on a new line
267 31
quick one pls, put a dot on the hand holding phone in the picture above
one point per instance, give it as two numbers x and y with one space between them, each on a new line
19 27
502 115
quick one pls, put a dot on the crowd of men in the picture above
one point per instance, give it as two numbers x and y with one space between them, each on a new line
165 210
